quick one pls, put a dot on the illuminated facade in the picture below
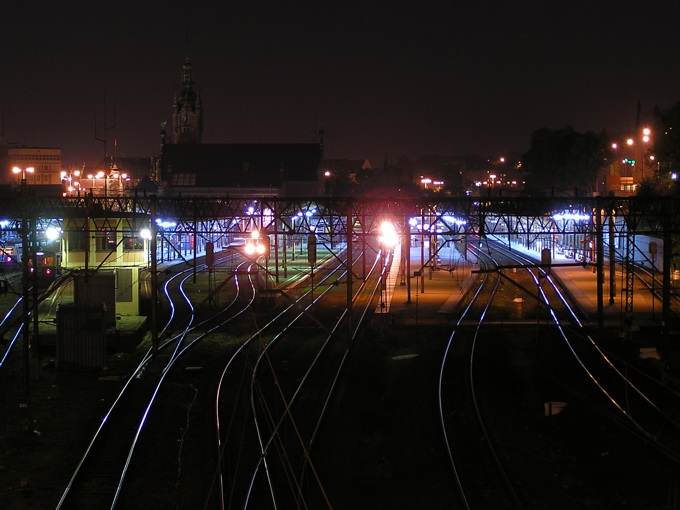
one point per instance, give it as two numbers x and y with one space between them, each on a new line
46 162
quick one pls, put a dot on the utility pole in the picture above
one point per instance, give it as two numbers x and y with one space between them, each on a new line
154 278
107 166
24 405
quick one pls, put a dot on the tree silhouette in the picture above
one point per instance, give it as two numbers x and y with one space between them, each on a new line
564 161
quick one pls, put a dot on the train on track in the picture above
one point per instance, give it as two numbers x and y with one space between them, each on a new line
47 262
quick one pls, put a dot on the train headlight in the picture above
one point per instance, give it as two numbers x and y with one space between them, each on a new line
388 235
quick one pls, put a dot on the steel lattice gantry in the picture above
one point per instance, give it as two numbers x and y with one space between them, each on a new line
584 225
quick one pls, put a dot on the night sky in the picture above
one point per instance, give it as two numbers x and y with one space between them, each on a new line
384 79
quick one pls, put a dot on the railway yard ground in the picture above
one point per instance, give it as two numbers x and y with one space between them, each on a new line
392 461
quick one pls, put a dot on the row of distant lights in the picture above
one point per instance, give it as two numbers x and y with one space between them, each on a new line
492 181
53 233
446 218
65 176
426 182
570 216
646 132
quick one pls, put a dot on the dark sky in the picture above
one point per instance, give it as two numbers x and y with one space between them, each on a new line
384 79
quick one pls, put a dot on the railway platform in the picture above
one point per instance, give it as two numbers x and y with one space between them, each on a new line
435 290
427 294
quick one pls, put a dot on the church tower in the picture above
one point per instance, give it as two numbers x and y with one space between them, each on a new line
187 111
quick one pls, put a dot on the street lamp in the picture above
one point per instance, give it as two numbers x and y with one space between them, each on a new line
70 181
24 404
23 172
329 182
638 151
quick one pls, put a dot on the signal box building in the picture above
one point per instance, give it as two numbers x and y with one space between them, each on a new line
109 253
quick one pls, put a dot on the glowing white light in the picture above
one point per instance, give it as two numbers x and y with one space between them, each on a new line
388 235
571 216
165 223
145 234
453 219
51 233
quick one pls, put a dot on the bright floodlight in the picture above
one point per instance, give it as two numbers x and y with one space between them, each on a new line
51 233
388 235
145 234
249 249
571 216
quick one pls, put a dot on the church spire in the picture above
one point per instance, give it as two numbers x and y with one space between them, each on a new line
187 118
187 81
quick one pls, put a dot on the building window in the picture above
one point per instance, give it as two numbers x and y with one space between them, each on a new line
132 241
105 234
106 240
78 239
182 179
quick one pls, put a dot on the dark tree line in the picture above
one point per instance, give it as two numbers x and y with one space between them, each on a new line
565 161
666 151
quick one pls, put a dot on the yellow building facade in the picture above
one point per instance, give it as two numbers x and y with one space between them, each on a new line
45 161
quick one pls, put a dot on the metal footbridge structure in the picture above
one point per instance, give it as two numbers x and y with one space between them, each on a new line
597 231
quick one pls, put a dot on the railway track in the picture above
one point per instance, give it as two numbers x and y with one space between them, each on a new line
603 396
293 378
106 475
99 479
296 413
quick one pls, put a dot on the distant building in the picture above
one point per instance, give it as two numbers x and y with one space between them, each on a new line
343 176
45 162
190 168
619 186
132 171
241 169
